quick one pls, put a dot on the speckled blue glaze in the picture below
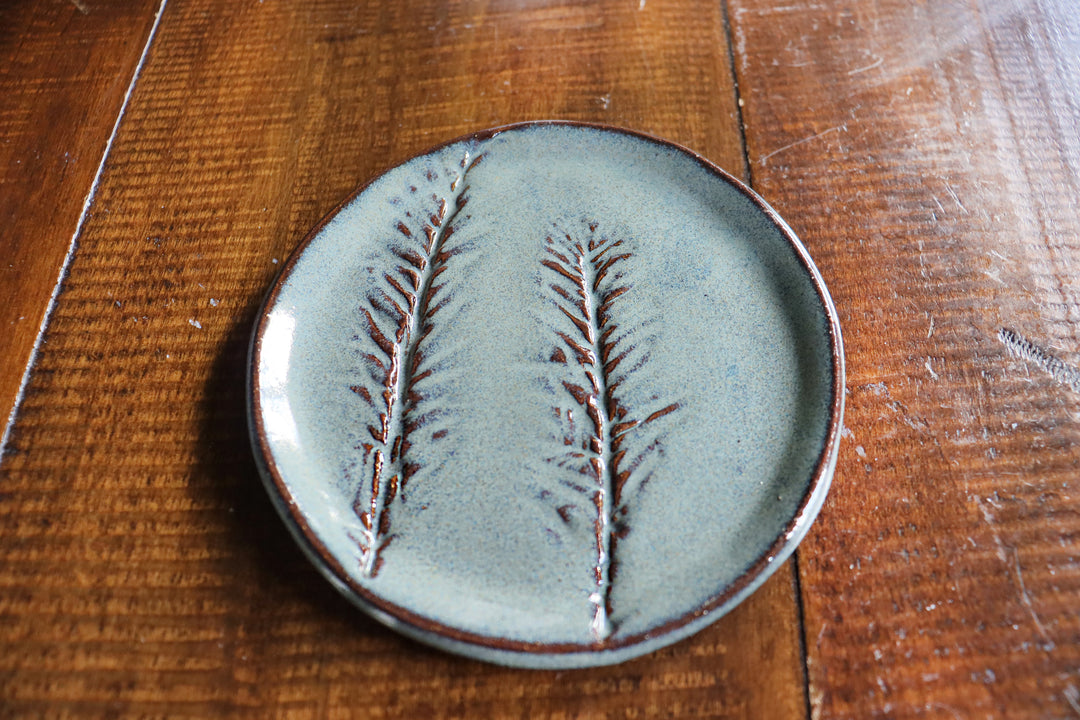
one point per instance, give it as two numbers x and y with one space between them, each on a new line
549 396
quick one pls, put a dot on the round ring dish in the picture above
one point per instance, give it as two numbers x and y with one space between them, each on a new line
551 395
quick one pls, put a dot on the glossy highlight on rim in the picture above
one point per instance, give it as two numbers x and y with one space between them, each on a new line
561 655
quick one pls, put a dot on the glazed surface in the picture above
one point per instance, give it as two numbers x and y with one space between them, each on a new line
560 386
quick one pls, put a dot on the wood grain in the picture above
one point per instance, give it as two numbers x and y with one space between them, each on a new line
928 155
64 70
142 569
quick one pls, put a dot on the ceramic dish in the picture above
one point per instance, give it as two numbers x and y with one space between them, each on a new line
551 395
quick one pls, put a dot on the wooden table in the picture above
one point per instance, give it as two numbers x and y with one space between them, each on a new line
161 157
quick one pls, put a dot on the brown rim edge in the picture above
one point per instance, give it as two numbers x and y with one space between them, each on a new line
424 628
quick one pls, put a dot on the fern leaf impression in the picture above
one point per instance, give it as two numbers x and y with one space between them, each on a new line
397 319
587 287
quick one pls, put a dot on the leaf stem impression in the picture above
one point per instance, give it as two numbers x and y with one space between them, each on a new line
588 288
407 303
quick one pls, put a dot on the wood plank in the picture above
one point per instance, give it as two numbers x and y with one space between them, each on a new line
929 155
144 571
64 70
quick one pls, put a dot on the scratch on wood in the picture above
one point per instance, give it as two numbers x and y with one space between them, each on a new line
948 708
800 142
991 521
81 6
864 68
956 198
1026 599
780 9
1072 696
1021 347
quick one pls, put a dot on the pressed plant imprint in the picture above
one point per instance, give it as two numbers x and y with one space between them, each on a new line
398 317
588 288
584 286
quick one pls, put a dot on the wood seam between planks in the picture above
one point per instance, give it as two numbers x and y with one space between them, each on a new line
73 245
748 178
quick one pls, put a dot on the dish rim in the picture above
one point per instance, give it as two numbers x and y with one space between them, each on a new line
538 654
